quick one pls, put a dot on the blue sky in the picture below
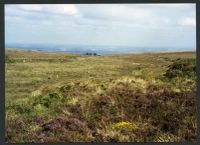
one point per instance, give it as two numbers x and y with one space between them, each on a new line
140 25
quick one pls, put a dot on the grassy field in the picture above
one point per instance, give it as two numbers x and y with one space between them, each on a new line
62 97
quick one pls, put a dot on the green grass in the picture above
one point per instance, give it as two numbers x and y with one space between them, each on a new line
62 97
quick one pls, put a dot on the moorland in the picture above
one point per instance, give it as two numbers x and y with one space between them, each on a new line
133 97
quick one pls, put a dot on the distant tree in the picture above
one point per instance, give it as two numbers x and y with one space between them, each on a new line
91 53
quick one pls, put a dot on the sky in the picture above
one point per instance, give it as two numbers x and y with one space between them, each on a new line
139 25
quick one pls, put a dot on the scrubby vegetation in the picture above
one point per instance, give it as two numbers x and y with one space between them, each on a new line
181 68
147 97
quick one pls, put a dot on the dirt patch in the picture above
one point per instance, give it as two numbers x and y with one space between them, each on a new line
134 63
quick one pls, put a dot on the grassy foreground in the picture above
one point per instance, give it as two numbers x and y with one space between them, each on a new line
61 97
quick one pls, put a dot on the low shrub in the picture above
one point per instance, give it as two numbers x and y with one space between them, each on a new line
181 68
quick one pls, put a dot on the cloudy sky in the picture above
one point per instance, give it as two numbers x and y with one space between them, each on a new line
141 25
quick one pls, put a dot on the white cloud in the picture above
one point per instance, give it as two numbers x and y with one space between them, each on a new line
62 9
68 9
114 12
35 7
107 16
174 5
121 24
189 21
117 14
